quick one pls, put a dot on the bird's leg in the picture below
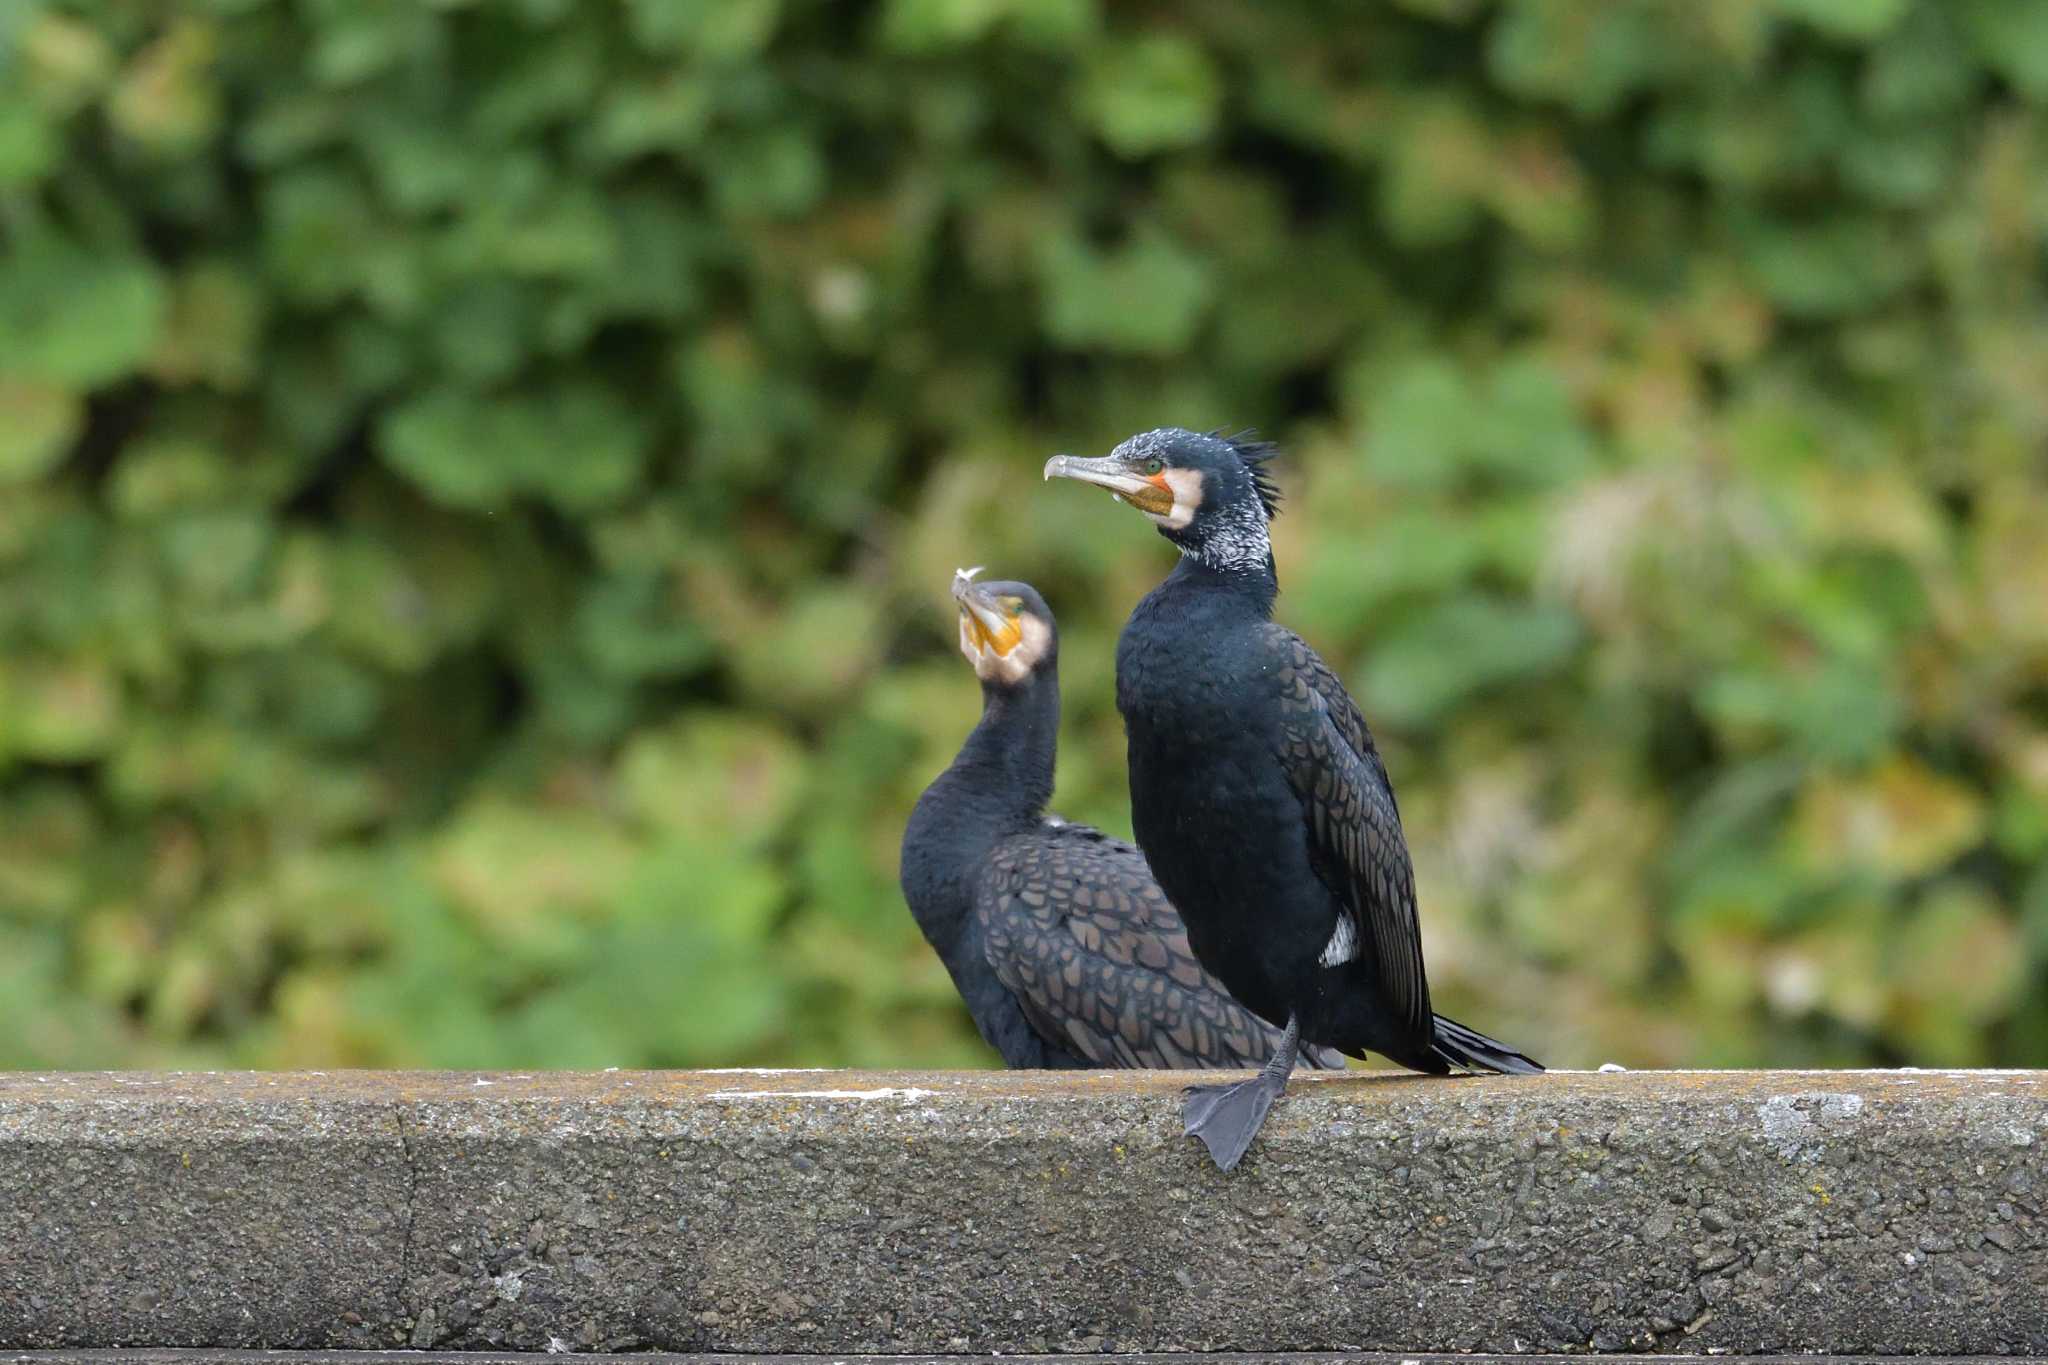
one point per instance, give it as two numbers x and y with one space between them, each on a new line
1227 1117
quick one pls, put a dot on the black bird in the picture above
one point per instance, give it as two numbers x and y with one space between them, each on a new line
1256 792
1056 935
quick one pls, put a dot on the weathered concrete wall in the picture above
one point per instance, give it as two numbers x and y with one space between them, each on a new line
1853 1212
204 1356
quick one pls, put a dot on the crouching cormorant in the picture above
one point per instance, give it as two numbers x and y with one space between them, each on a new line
1256 792
1058 938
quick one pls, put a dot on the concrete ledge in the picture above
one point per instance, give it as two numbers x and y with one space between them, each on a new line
788 1212
161 1356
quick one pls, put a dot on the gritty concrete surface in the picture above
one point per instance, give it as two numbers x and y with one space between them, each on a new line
1859 1213
198 1210
204 1357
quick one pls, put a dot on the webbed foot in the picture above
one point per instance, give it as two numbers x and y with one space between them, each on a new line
1227 1117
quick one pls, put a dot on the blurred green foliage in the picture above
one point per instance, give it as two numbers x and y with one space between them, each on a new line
478 483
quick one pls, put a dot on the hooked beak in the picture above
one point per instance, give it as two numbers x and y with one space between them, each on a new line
983 614
1146 494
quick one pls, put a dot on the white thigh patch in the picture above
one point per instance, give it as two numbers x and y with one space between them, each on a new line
1343 944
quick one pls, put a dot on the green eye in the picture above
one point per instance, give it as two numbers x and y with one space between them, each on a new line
1152 466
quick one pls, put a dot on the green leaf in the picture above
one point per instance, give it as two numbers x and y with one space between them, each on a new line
1907 167
723 32
773 173
64 61
1439 170
932 25
43 1024
2020 825
575 445
213 329
678 980
636 625
75 317
1923 67
1414 551
1855 20
451 444
59 710
722 779
47 836
1902 819
1152 94
167 99
822 645
1429 426
1465 645
1591 57
2011 39
216 554
638 117
740 407
533 230
1528 427
317 226
328 698
400 611
1841 266
38 423
354 43
1845 712
1421 425
29 146
526 875
2034 912
1145 298
483 332
552 82
1958 965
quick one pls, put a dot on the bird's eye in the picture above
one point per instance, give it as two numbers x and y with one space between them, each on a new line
1152 466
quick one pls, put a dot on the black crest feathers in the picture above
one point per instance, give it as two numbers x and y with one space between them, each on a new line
1255 455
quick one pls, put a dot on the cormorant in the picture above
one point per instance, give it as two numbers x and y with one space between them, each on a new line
1059 940
1256 792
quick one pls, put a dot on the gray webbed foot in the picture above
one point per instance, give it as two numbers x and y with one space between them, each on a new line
1227 1117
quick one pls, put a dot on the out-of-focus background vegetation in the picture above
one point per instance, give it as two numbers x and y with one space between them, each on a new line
478 483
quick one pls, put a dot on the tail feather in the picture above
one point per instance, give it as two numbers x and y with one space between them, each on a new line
1470 1050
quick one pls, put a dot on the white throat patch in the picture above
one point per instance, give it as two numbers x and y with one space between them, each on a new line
1013 667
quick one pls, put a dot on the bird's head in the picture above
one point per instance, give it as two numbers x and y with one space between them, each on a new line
1006 630
1210 495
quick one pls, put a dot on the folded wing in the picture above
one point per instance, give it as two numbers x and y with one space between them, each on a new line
1354 830
1078 930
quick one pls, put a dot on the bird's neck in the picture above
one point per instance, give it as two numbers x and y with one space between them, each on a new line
1238 583
1006 765
998 786
1232 542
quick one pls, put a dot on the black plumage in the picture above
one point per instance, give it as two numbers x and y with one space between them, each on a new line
1257 793
1058 938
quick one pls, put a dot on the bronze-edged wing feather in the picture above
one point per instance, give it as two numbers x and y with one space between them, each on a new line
1077 929
1354 826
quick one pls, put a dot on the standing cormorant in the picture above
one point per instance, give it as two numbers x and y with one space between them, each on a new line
1059 940
1256 792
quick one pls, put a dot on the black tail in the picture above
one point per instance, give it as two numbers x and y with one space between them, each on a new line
1470 1051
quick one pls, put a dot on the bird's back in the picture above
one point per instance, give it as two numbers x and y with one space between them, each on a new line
1078 930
